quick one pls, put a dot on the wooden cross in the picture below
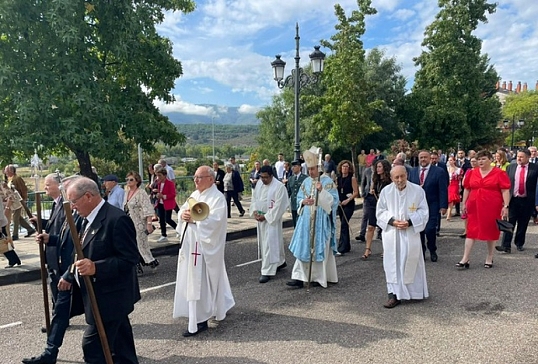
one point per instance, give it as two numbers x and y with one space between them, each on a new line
196 254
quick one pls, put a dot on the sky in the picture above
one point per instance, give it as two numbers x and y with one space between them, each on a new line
226 46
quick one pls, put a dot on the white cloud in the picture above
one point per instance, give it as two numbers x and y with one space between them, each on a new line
248 109
183 107
403 14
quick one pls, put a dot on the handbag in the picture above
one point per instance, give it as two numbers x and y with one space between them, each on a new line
505 226
5 245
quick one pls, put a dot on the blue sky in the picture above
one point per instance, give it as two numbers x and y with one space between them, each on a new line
226 46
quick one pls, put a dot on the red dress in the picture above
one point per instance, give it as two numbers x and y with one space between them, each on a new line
454 187
485 202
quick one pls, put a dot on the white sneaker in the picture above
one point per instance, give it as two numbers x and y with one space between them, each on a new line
162 239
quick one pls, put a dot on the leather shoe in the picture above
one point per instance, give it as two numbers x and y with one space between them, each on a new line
281 266
40 359
30 233
202 326
503 249
12 265
264 279
433 256
463 236
360 238
295 283
536 256
520 248
392 302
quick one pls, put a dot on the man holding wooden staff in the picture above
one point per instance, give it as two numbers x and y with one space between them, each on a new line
108 239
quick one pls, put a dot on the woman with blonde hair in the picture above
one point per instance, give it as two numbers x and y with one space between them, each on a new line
501 161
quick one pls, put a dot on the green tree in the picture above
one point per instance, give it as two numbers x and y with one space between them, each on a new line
82 76
454 88
522 106
345 109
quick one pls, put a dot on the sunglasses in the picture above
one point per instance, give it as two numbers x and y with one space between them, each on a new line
129 179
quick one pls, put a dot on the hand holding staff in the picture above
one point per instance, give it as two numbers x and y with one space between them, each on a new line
44 274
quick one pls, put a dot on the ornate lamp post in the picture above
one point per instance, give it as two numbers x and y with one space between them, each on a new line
514 127
297 80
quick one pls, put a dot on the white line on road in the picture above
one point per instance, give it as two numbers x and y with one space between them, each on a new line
247 263
18 323
157 287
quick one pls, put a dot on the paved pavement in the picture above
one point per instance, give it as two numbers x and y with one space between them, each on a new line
28 251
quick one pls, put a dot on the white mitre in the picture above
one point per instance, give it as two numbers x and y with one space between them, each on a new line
311 156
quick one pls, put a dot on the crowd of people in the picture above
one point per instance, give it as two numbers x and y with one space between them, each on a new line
404 201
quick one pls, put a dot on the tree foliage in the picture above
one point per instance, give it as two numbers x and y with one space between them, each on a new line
82 76
522 106
346 109
453 95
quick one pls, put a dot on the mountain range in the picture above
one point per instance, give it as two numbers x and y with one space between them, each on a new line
219 115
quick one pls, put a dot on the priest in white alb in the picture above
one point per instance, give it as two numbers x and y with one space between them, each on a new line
402 213
269 203
202 286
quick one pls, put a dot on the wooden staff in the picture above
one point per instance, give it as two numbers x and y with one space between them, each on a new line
87 281
44 274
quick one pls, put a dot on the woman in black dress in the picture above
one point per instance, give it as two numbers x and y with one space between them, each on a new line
348 190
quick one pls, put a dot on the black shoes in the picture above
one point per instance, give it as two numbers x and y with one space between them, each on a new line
433 256
154 264
41 359
12 265
242 214
264 279
502 249
14 237
463 265
488 265
295 283
463 236
360 238
30 233
202 326
281 266
520 248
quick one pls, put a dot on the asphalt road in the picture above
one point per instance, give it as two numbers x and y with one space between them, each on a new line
472 316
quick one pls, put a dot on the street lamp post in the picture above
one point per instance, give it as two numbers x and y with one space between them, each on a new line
514 127
297 80
213 122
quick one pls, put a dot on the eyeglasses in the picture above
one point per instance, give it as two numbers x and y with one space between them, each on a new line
74 202
129 179
199 177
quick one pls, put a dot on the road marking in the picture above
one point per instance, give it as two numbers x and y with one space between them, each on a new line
247 263
18 323
157 287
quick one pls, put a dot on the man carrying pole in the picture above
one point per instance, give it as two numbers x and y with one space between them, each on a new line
315 263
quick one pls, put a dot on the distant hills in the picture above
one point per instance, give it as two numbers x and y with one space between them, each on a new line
223 116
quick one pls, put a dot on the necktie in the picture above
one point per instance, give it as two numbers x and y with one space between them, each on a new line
521 187
53 208
83 229
422 176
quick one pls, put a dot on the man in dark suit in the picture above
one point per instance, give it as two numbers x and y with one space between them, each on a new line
435 184
294 183
110 257
219 177
534 160
435 162
59 250
523 200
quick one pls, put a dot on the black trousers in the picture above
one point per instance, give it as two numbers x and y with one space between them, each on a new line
345 213
120 341
59 322
233 195
165 217
428 237
519 214
294 217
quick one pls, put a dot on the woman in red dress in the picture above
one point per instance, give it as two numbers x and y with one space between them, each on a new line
454 175
486 197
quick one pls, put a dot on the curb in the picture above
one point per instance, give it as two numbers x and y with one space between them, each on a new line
23 275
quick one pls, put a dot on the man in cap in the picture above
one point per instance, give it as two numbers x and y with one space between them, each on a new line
294 183
113 190
317 195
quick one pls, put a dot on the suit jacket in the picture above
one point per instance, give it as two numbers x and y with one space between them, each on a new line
435 187
110 242
237 182
293 188
169 189
220 178
62 244
530 183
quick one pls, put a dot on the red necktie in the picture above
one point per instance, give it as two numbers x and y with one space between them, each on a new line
521 187
422 176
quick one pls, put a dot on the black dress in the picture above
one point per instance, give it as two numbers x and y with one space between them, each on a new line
345 188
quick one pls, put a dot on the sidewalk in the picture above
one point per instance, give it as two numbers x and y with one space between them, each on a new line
28 251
